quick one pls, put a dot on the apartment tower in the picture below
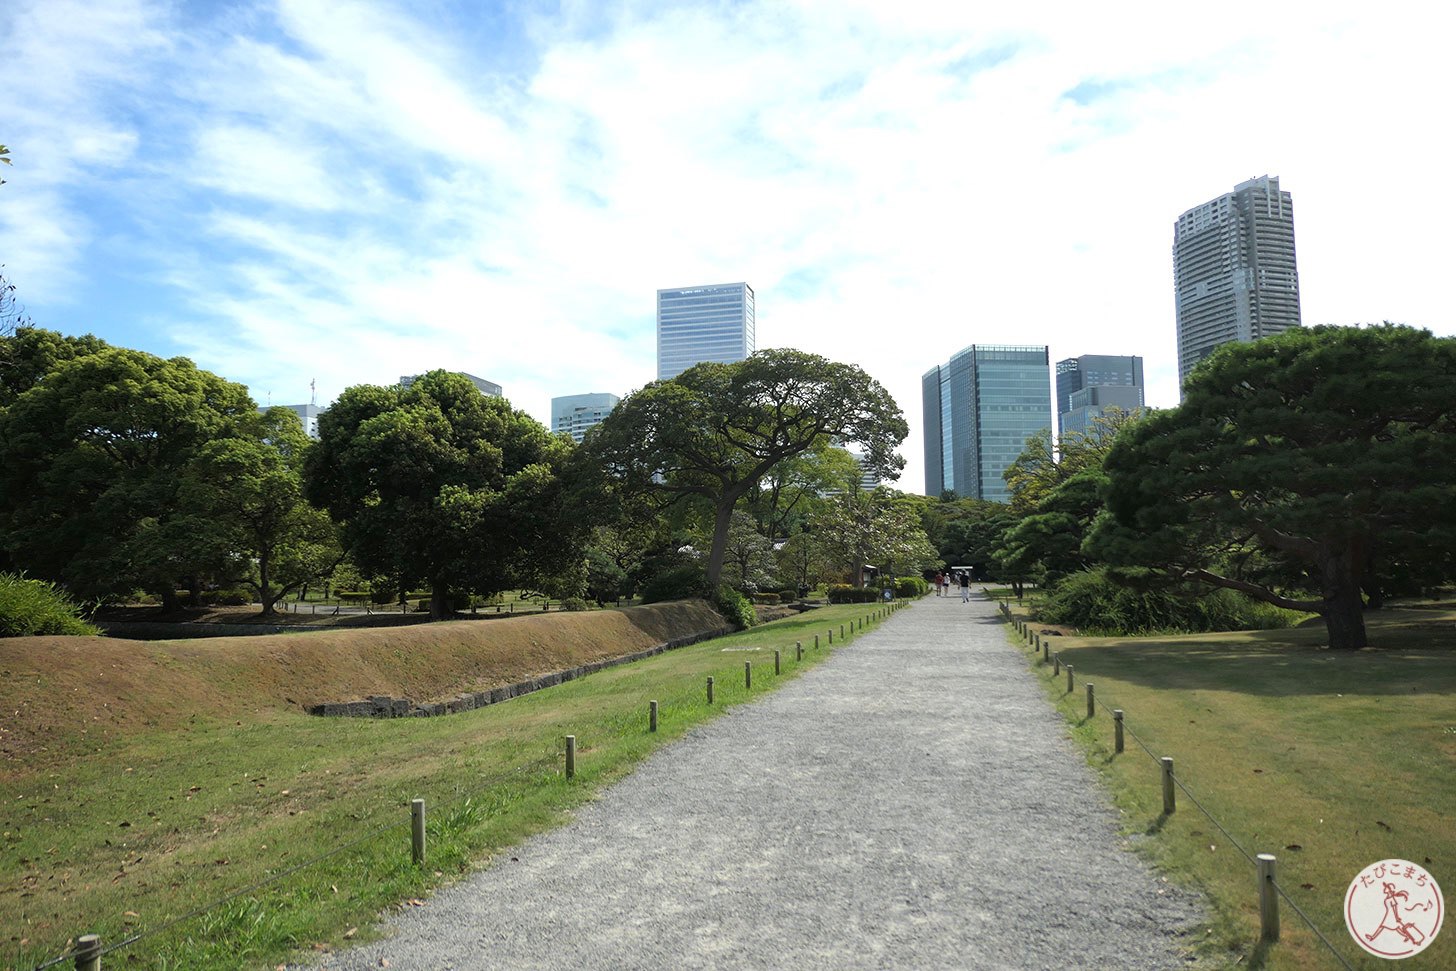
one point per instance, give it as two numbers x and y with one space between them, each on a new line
1234 274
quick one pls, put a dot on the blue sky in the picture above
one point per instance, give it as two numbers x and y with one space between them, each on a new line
348 191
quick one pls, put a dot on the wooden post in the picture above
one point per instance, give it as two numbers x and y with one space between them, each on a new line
831 636
1046 651
710 690
841 632
88 952
571 756
417 831
748 675
776 662
652 716
798 650
816 642
1268 899
1117 730
1091 701
1056 664
1069 679
1169 801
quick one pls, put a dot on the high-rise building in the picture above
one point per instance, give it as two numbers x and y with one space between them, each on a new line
1090 384
1234 273
481 385
980 409
696 324
573 414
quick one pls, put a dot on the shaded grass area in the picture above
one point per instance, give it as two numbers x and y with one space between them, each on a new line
161 821
1329 760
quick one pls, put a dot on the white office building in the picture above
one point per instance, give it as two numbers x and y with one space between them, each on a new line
481 385
697 324
573 414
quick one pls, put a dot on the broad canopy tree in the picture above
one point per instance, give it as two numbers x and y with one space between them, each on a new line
244 496
879 528
92 459
716 430
440 484
1328 449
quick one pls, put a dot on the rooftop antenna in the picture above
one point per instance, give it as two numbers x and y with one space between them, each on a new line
313 391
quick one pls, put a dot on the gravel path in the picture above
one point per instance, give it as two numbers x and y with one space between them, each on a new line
912 803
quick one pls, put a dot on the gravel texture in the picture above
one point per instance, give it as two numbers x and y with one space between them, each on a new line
912 803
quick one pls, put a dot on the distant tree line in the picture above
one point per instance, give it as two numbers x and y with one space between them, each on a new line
1313 471
124 474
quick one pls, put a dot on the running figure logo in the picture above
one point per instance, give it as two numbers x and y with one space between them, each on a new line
1393 909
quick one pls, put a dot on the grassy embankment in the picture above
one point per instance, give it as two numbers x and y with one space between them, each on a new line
1329 760
121 832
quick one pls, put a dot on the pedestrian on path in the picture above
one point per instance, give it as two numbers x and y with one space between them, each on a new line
965 586
940 584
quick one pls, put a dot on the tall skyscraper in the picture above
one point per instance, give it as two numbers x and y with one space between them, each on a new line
1234 273
980 409
573 414
1090 384
696 324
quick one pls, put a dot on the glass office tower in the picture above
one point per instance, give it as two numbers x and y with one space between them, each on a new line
980 408
1088 385
696 324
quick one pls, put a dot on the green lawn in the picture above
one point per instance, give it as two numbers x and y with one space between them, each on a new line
148 829
1329 760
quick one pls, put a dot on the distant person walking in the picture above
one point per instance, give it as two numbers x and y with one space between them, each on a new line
965 586
940 584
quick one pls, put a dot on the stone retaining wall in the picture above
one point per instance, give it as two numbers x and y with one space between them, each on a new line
384 706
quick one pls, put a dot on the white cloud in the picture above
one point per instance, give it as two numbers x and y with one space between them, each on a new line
349 192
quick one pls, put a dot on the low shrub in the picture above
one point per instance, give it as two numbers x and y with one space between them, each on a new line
735 607
910 587
844 593
788 595
765 598
1096 604
573 603
31 608
675 583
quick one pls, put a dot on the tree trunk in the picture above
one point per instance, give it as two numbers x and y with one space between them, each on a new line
194 590
722 517
1343 608
440 600
1374 596
1345 621
266 594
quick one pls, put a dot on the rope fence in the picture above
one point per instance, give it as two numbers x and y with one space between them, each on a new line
89 949
1264 863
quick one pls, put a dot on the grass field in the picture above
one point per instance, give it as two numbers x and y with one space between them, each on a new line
157 822
1329 760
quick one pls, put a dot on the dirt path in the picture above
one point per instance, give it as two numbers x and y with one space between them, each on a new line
914 803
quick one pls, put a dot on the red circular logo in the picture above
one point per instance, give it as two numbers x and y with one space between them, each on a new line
1393 909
